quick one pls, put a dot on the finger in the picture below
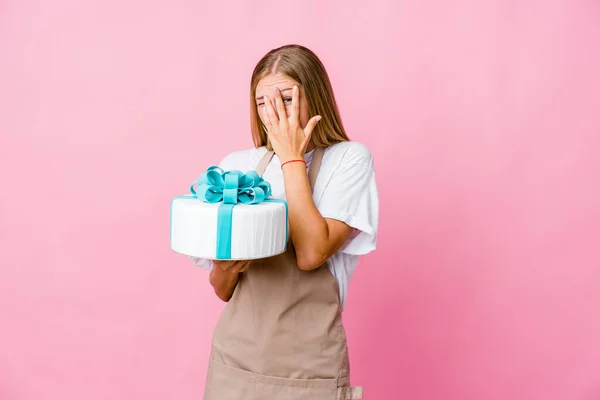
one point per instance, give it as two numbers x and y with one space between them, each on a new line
265 118
311 124
273 120
245 266
240 266
295 104
235 267
223 265
280 108
264 114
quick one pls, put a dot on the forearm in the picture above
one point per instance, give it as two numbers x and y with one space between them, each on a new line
308 229
223 282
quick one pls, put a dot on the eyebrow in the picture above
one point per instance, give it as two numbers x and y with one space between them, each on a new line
282 90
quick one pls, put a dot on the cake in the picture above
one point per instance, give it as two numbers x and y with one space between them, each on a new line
229 216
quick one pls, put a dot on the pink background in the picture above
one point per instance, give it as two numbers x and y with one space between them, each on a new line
483 117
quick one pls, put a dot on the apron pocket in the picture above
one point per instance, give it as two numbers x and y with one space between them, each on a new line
350 393
228 383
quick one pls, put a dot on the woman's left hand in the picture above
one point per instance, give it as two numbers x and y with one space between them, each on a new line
288 138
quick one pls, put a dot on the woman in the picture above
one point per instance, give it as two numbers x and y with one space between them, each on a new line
281 334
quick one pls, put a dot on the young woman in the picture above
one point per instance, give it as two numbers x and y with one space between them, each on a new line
281 334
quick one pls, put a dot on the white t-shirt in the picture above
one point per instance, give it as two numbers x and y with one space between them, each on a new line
345 190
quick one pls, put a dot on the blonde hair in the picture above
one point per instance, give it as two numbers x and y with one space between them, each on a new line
302 65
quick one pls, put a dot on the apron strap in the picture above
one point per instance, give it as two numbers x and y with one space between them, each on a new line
264 161
313 171
315 165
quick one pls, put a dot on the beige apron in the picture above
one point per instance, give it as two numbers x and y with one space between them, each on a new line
281 334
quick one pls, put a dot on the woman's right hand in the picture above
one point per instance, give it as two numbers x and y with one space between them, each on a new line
224 277
235 266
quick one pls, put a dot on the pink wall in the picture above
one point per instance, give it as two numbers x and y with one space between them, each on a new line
484 121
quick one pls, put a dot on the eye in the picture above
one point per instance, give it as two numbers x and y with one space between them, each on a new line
260 104
287 100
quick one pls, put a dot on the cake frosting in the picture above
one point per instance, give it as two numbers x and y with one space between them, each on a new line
257 230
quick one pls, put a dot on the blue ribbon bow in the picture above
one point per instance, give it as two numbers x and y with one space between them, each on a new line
230 188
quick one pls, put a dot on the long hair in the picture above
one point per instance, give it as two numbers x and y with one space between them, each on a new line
302 65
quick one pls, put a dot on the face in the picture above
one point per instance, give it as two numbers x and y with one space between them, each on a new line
266 87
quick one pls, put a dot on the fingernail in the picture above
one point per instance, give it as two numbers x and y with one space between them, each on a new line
295 88
318 118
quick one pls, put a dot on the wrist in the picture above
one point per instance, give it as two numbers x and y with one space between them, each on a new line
223 282
299 162
291 157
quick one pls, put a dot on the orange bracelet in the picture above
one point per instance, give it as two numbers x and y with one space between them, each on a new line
293 161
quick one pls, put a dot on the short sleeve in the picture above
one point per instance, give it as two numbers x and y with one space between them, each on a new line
203 263
233 161
351 196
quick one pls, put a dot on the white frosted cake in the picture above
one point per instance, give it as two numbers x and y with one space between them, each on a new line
253 231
